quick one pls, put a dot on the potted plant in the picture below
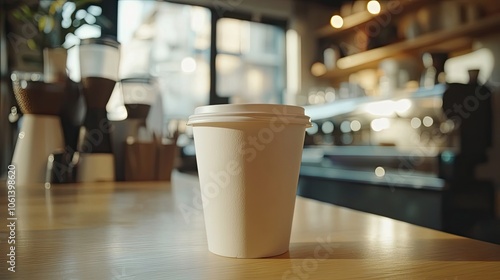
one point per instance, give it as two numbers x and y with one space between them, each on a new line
56 22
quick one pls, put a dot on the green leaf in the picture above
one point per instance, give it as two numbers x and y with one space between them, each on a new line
31 44
42 22
46 24
17 15
56 6
49 26
25 9
52 8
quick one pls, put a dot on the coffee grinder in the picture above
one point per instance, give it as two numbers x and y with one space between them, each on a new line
139 94
99 62
40 133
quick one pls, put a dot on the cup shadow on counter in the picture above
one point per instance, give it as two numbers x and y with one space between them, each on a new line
429 250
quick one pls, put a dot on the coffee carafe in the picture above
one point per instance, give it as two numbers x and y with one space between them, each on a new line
99 62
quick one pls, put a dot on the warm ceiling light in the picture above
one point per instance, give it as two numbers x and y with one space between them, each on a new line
318 69
336 21
373 7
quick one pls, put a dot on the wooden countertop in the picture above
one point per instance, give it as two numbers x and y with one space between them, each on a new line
154 231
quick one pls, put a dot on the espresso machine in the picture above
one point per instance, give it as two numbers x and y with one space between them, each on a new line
99 62
40 133
412 157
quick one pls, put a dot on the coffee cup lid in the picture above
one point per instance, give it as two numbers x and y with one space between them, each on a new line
249 113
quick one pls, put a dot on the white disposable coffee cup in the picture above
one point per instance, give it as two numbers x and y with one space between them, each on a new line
248 158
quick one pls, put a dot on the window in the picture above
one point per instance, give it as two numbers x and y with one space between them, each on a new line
170 42
250 61
174 43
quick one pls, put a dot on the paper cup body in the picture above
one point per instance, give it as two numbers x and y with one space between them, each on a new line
248 160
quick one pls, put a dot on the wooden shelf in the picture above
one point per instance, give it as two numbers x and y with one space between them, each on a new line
358 19
445 40
349 23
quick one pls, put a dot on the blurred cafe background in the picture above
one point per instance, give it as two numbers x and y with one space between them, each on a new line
403 95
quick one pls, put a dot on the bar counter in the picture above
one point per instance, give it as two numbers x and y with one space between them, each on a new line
155 230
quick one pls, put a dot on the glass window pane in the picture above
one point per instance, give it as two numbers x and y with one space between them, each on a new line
170 42
250 63
229 35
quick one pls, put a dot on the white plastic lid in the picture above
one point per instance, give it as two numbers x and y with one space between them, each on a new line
249 113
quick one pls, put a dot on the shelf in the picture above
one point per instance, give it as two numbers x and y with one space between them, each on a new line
448 40
349 23
360 18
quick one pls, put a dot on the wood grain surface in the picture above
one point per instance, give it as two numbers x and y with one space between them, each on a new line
156 231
